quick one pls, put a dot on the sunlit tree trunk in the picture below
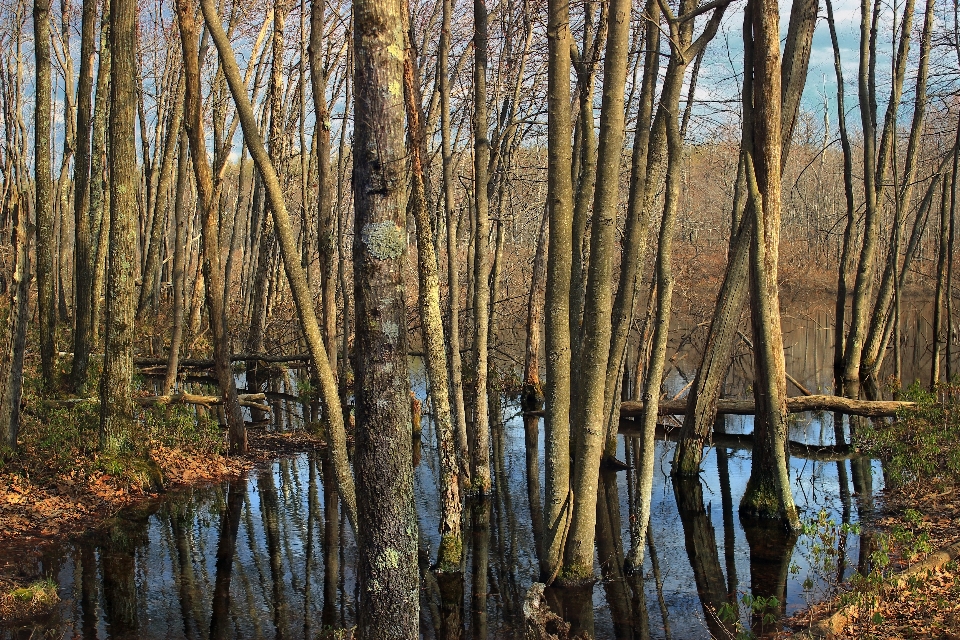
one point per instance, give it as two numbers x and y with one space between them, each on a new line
480 454
99 204
291 260
388 574
210 241
46 241
768 492
557 508
116 385
590 427
178 275
450 552
458 407
83 266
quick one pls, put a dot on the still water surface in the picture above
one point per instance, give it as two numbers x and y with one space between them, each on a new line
268 555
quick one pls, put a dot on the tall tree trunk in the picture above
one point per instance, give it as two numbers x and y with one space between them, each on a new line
326 231
151 271
768 492
722 335
83 266
210 240
480 455
557 508
388 574
116 385
450 553
179 267
14 327
44 191
100 205
453 274
291 260
590 427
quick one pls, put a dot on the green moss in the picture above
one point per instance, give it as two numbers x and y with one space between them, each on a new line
43 592
572 576
760 500
450 554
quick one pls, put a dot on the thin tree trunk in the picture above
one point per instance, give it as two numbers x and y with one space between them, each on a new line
453 277
100 205
179 267
590 425
480 455
46 240
557 508
291 260
210 240
450 553
83 267
14 331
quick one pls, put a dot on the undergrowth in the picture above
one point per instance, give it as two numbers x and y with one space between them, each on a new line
923 443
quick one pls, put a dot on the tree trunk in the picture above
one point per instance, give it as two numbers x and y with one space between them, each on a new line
291 260
768 492
480 454
557 508
99 205
722 335
83 267
179 267
450 553
14 331
388 574
453 275
590 423
210 240
116 385
46 240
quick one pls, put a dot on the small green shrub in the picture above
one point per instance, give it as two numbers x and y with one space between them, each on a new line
923 442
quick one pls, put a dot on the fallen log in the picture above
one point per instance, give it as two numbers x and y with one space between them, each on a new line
868 408
245 399
744 442
239 357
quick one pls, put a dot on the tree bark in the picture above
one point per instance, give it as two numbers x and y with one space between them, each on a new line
47 310
210 240
594 360
557 508
116 385
480 454
291 260
450 553
83 266
179 268
388 574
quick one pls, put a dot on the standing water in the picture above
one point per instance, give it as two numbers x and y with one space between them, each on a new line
269 556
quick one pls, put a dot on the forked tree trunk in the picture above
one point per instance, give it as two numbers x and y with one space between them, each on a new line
768 492
209 234
590 424
291 260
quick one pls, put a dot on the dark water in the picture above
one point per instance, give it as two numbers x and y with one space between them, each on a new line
268 556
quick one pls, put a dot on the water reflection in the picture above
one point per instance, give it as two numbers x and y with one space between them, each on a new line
269 555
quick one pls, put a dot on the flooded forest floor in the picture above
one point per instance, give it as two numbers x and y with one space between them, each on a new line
58 488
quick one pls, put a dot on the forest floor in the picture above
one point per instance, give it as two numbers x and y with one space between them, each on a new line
913 588
54 491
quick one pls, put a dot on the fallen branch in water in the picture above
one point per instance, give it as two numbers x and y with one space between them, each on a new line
868 408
